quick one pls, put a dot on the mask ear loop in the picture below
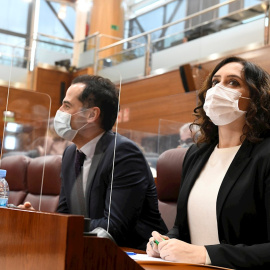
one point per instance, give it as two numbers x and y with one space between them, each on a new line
116 129
78 113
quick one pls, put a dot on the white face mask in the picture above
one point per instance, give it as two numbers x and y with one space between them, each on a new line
62 125
221 105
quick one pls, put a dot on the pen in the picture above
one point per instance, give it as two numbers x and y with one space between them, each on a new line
131 253
156 241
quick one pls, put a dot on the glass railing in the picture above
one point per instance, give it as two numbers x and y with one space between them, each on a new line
55 52
147 53
16 56
216 24
86 51
128 58
151 55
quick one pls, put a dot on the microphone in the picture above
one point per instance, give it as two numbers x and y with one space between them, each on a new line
99 231
102 233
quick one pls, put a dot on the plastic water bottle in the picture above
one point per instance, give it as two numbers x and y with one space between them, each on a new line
4 189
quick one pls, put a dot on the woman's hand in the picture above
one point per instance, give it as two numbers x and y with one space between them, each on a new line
152 247
179 251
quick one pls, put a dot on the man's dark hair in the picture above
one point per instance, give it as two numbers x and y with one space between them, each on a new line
102 93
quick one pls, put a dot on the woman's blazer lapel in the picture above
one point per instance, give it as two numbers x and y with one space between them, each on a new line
195 162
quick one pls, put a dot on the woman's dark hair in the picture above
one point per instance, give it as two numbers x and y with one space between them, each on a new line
257 125
102 93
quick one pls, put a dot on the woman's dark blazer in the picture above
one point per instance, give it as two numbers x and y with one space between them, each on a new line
243 206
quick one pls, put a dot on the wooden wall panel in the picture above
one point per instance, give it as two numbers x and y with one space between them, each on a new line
83 71
259 56
157 86
145 116
49 81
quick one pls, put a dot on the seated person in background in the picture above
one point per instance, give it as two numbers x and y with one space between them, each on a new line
188 134
86 118
223 211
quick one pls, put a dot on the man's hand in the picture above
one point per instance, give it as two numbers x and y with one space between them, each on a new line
26 206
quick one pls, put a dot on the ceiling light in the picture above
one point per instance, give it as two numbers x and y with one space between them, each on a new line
84 5
62 12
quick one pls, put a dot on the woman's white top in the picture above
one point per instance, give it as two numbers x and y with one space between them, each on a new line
202 216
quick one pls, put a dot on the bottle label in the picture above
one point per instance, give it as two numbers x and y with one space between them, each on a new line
3 202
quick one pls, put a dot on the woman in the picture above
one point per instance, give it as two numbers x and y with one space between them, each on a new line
223 213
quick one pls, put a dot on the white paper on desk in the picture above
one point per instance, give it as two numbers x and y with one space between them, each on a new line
145 257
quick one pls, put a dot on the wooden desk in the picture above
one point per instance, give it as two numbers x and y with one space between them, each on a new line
176 266
169 265
34 240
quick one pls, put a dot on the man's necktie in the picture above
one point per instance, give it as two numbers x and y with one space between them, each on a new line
80 156
80 209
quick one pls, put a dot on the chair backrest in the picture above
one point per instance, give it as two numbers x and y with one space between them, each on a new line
24 176
51 182
16 167
169 171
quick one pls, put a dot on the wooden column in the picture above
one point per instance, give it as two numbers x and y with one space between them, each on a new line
107 17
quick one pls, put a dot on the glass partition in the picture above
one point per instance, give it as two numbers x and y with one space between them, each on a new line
174 134
168 135
148 123
25 116
171 134
148 144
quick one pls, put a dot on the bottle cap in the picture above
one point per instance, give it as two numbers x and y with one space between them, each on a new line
3 173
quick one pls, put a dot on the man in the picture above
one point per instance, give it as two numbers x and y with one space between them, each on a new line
86 117
188 136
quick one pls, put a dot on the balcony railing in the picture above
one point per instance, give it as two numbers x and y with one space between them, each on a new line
143 54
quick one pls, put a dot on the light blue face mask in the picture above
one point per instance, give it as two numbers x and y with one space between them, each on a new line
62 125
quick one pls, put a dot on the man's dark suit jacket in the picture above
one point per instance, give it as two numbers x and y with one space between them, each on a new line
134 206
243 206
